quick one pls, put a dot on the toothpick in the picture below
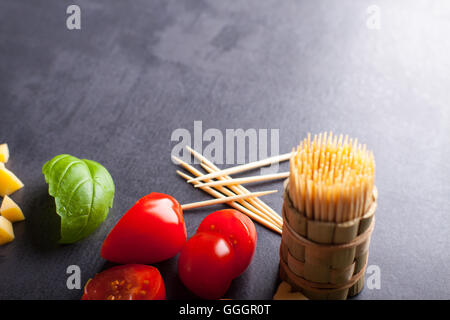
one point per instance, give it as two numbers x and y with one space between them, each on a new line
331 178
245 180
258 203
244 167
225 200
243 205
235 205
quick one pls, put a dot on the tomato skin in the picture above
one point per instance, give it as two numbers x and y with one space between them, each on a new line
220 251
240 231
205 265
127 282
153 230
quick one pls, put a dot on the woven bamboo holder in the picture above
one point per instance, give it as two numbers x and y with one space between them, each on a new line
325 260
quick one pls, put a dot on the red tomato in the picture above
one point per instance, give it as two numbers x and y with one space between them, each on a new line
128 282
153 230
239 230
205 265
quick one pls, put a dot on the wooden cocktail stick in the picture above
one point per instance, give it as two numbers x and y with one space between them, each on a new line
248 203
331 178
236 205
225 199
244 180
256 202
244 167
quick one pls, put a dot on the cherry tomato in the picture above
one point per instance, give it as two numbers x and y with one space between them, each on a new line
239 230
153 230
205 265
127 282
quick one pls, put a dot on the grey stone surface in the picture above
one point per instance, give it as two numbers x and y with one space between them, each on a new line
115 90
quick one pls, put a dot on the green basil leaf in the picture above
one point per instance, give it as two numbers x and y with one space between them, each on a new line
83 192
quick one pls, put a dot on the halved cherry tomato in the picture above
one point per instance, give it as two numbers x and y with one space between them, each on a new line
153 230
239 230
205 265
128 282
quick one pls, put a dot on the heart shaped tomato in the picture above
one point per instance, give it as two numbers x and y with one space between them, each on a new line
238 229
153 230
205 265
221 250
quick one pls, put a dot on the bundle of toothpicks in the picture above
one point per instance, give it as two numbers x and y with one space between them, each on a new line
225 189
328 213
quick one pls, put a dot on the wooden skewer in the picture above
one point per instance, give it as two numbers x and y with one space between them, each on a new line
256 202
244 167
245 203
238 189
225 191
238 181
225 200
236 205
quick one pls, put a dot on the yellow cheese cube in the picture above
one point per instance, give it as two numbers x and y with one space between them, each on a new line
4 153
6 231
10 210
9 183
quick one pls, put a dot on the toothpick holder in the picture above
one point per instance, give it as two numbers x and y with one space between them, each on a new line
325 260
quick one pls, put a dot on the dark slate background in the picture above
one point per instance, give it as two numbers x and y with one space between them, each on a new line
116 90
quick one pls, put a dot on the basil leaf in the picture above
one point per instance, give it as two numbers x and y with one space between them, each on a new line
83 192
